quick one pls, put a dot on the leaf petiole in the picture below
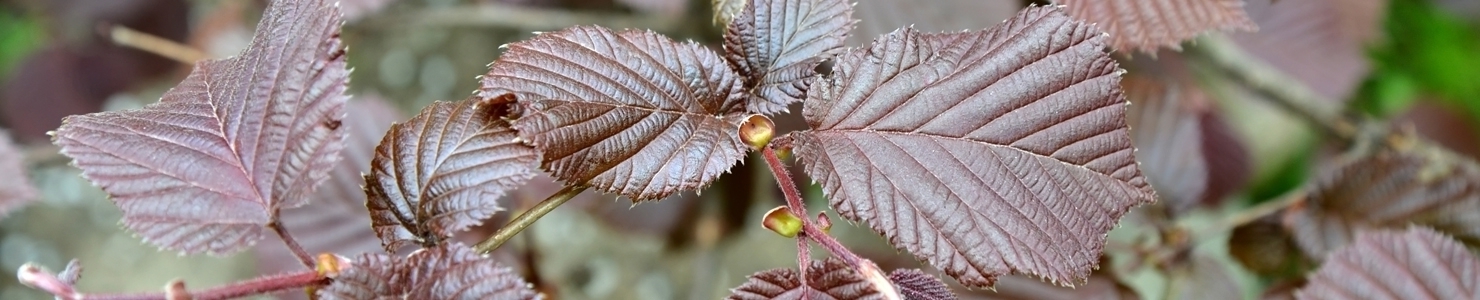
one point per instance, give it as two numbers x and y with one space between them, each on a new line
292 244
38 278
519 223
810 230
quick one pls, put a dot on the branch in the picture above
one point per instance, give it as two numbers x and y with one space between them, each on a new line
810 230
527 218
33 276
157 45
1231 61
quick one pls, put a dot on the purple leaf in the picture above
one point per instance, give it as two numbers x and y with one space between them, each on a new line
1146 25
632 113
240 138
1165 128
1186 151
335 221
453 271
914 284
1422 184
826 280
443 171
372 276
983 153
777 44
17 189
1417 263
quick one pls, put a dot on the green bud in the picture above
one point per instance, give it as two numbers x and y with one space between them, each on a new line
757 131
781 221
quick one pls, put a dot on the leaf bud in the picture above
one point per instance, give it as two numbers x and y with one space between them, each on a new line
781 221
757 131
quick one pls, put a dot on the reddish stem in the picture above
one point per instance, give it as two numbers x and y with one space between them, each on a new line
788 187
292 244
804 261
35 277
810 230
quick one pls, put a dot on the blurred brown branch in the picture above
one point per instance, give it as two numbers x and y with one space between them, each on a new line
1222 55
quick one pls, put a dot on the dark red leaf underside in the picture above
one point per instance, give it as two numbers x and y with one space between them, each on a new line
777 44
1422 185
240 138
631 113
453 271
1417 263
1146 25
335 221
878 17
17 190
443 171
984 153
827 280
1322 43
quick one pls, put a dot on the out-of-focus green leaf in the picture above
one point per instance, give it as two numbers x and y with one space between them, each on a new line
1387 93
18 36
1435 50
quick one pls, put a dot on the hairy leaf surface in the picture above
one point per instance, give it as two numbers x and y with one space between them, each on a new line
631 113
240 138
453 271
443 171
17 189
1423 185
1417 263
833 279
1148 24
983 153
777 44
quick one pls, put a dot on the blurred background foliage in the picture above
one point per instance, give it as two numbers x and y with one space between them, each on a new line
63 57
